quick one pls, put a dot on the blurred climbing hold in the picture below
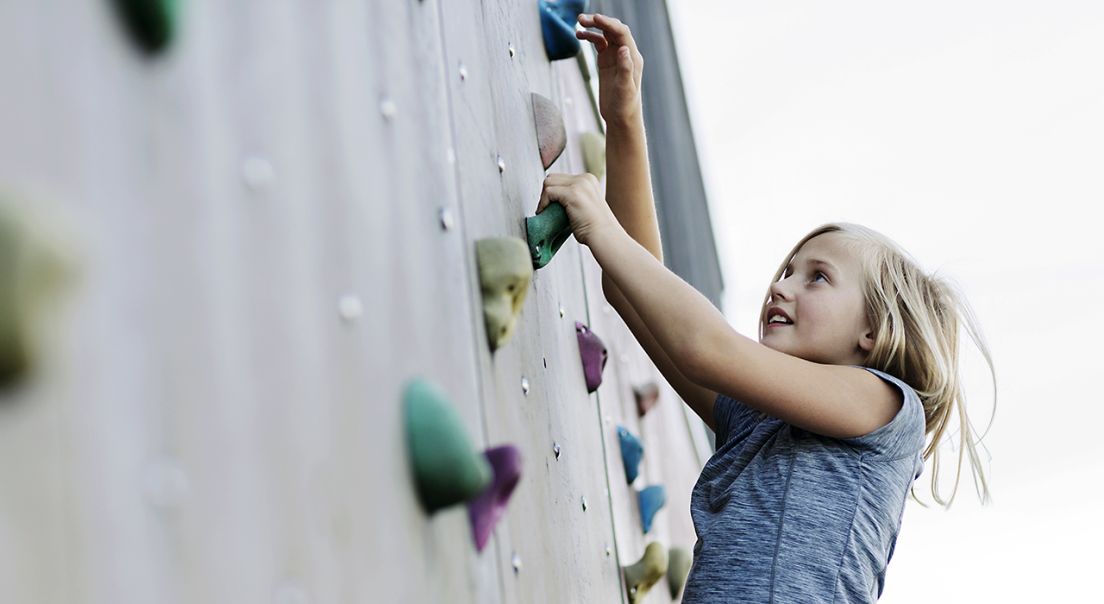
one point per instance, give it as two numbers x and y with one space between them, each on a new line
546 232
646 397
551 134
447 468
641 576
678 567
485 510
38 263
631 453
558 21
505 271
594 153
150 23
594 355
651 499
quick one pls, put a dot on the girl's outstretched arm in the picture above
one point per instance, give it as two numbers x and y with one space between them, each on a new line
833 400
629 184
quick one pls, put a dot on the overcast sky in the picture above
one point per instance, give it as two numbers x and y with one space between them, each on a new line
972 133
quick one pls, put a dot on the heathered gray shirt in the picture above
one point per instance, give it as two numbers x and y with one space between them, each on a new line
784 515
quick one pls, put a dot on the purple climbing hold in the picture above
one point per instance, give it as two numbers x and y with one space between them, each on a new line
488 507
594 356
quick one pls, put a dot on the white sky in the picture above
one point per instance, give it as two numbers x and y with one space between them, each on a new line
971 132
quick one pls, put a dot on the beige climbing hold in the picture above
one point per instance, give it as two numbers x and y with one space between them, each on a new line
37 263
594 153
505 271
640 577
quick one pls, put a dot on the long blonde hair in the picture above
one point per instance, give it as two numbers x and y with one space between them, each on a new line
916 318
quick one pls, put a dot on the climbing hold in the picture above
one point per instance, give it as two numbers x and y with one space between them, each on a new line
631 452
594 153
558 21
151 23
447 468
504 274
546 232
37 264
594 355
485 510
678 567
646 397
651 499
551 134
641 576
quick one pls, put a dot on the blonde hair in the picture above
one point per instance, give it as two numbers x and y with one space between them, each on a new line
916 318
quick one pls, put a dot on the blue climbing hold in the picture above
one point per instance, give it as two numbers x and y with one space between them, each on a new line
651 499
558 19
631 452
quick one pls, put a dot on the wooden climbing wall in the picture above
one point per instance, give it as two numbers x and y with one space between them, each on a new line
277 219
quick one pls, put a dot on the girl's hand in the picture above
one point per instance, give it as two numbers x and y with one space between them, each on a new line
581 197
620 66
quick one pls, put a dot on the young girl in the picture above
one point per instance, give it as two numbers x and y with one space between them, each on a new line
821 423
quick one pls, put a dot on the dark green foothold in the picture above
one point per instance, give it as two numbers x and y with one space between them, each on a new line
151 23
447 468
679 561
546 232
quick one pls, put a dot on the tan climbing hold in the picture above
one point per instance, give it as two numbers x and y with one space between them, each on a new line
594 153
640 577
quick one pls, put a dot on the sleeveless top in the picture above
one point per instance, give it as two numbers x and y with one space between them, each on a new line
785 515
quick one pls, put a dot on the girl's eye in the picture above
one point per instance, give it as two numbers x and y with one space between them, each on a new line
818 276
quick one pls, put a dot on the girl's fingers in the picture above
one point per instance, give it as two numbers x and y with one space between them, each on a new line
616 31
597 38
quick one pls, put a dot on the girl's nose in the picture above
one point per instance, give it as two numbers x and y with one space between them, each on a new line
778 290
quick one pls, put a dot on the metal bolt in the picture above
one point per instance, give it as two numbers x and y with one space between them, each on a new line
501 165
257 173
349 307
609 551
512 51
515 561
562 312
524 385
388 109
446 219
463 72
584 503
556 449
545 361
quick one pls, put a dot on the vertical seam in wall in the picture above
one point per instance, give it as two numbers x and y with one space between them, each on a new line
461 230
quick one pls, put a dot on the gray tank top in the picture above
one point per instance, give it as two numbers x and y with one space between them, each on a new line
784 515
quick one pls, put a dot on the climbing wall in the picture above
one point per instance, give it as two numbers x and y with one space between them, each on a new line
274 210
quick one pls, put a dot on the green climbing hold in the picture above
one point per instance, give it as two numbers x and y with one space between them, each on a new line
678 567
447 468
546 232
641 576
504 275
151 23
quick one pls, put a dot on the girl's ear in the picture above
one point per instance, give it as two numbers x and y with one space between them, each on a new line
866 341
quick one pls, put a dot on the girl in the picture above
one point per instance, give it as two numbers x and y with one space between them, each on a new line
821 423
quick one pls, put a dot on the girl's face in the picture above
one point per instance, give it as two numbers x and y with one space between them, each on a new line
816 311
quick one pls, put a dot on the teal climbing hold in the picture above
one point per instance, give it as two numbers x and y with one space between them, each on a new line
447 468
151 23
546 232
631 453
651 499
558 21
